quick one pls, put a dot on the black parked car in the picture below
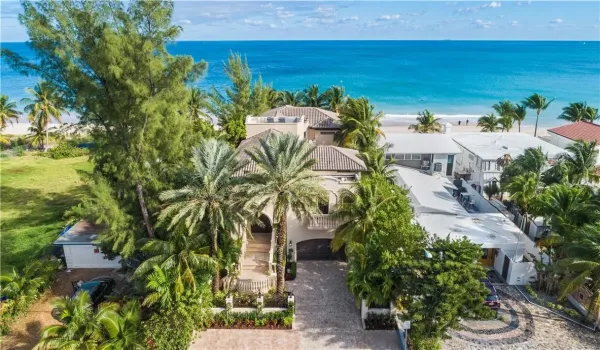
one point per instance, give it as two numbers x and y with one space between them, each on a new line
98 289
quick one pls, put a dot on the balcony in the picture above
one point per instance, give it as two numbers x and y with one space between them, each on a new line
322 222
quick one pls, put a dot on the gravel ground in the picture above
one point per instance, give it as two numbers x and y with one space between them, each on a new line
525 326
25 332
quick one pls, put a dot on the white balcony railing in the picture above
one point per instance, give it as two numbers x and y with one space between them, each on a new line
322 222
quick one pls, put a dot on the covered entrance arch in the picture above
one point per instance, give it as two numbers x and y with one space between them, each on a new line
318 249
265 227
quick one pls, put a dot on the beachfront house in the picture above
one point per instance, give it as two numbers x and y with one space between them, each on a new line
478 161
432 153
311 123
444 209
308 240
566 135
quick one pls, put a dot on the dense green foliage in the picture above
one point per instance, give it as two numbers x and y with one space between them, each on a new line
172 329
579 111
360 126
254 319
23 288
66 150
8 111
488 123
111 326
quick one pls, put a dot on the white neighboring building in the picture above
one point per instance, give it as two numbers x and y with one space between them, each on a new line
480 151
433 153
566 135
504 246
80 249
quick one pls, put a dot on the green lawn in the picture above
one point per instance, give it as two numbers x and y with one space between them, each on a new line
35 192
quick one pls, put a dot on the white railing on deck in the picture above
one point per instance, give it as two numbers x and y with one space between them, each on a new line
256 286
322 222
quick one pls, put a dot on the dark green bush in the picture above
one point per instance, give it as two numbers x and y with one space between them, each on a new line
172 329
380 321
66 150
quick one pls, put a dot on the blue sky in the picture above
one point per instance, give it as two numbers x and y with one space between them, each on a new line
402 20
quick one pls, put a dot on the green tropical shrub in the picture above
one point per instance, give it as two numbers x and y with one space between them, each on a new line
172 329
66 150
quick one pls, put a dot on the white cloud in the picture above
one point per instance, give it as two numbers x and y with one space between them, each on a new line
514 23
556 21
491 5
482 24
212 15
388 17
253 22
349 19
325 11
266 5
272 25
185 21
279 8
285 14
494 4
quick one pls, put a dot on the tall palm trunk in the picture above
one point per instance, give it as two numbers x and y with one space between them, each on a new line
281 241
519 125
214 252
47 143
140 193
537 118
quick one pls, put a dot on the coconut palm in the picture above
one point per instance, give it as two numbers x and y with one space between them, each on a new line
292 98
488 123
274 98
163 288
44 106
186 254
37 135
356 210
312 97
22 288
285 180
523 189
491 190
568 207
336 98
504 108
207 199
581 159
360 126
583 265
579 111
427 123
378 165
8 111
519 115
111 327
539 103
506 122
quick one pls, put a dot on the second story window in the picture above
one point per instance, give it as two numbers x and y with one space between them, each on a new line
324 207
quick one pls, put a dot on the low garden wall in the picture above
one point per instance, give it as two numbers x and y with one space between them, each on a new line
254 312
377 318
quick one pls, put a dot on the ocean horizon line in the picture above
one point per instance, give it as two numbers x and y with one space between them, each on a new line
373 40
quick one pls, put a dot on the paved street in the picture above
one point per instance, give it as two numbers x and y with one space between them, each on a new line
326 317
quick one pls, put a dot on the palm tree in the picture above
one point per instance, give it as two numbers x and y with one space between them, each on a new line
520 113
356 210
539 103
79 329
568 207
360 126
378 165
185 254
163 287
583 265
336 98
488 123
504 108
312 97
581 159
292 98
37 135
208 198
21 288
111 327
427 123
491 190
285 180
8 111
506 122
274 98
44 106
579 111
523 189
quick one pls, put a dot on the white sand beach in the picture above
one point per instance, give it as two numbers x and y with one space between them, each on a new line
526 129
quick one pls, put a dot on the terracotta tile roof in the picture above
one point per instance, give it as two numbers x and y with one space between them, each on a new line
317 118
579 131
329 158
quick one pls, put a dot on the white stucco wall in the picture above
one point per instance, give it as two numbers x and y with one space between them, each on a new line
563 142
294 128
324 137
86 256
521 273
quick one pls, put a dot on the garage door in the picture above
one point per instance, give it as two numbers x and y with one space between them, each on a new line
317 249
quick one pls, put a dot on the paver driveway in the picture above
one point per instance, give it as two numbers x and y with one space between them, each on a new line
326 318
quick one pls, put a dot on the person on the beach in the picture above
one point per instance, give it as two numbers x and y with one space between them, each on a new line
459 123
467 122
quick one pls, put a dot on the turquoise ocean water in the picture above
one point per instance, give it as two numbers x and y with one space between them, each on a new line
403 77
